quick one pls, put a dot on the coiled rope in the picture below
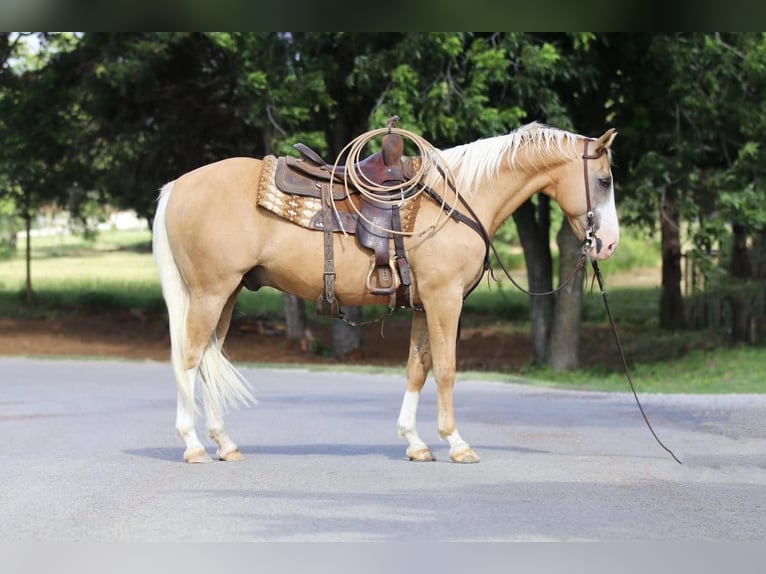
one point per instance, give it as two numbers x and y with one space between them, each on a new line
398 193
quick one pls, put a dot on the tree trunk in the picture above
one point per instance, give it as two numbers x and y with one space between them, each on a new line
296 326
564 346
12 236
28 295
347 340
759 255
672 302
297 332
741 271
534 227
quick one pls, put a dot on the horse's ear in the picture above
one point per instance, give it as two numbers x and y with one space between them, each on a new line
605 140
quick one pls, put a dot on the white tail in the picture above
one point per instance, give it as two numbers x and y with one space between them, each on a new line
222 385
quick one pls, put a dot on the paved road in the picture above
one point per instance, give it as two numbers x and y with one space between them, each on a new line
89 453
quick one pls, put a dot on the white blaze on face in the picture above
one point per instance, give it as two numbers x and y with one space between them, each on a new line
608 232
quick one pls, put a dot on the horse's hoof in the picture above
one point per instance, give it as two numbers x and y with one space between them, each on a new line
420 455
231 456
197 456
465 456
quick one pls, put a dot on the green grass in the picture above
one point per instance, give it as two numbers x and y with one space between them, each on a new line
719 370
500 300
634 251
117 272
69 272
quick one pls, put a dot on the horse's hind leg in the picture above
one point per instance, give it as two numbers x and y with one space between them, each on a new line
200 323
418 364
203 357
227 449
185 420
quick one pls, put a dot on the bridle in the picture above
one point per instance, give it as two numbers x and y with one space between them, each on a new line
472 221
590 228
590 233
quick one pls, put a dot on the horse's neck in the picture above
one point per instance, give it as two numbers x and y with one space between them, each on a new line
495 200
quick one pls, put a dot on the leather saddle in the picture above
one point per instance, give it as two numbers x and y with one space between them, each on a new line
310 176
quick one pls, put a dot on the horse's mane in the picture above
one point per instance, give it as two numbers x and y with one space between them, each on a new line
483 158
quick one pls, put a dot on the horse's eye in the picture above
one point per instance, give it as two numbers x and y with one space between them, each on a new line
605 182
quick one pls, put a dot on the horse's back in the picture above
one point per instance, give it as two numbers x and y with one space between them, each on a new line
236 174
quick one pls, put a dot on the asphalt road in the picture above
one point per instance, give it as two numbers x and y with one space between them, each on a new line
89 453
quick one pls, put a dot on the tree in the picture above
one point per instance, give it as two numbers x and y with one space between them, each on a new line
452 88
533 223
38 123
462 86
113 116
165 103
161 104
281 96
564 348
694 147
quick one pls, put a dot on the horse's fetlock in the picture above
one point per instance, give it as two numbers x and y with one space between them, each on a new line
184 430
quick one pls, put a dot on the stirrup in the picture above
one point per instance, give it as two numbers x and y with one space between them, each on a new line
387 278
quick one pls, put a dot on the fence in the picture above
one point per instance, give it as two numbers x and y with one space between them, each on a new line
724 304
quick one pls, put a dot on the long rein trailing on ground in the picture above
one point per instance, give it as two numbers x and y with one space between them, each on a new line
600 280
590 238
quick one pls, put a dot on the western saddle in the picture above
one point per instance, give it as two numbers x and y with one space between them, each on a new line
376 219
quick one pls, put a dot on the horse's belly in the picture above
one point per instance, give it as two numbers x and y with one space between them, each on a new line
294 262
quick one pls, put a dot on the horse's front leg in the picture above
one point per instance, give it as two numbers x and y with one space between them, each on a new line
418 364
442 331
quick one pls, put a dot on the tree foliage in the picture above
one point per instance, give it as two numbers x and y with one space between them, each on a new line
110 117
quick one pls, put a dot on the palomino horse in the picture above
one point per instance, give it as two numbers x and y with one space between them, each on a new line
210 238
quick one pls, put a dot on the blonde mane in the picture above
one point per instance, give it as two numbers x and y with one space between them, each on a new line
482 160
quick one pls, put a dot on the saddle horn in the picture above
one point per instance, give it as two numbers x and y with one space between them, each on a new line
393 145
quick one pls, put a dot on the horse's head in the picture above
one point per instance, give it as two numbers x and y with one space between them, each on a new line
585 193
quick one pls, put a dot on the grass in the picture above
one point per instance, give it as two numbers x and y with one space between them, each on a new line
117 272
715 371
69 272
721 370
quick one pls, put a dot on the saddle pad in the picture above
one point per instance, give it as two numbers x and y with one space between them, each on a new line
306 211
298 209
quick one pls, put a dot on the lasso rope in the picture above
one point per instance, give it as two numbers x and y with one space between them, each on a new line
386 195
